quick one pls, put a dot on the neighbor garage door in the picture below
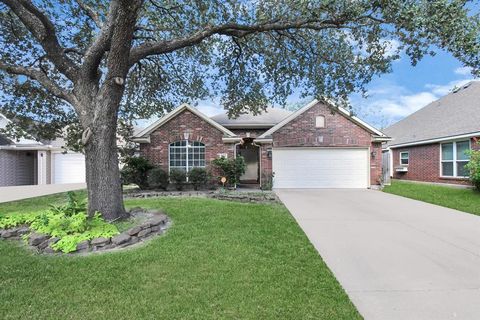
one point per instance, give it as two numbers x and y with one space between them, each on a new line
68 168
320 168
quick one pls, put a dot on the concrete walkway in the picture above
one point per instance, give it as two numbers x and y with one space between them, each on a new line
396 258
24 192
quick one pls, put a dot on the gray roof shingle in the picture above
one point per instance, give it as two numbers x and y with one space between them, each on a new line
454 114
269 118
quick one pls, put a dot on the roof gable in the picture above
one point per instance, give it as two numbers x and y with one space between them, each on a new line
145 133
341 110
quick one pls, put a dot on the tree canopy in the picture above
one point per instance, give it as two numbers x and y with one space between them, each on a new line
247 53
89 65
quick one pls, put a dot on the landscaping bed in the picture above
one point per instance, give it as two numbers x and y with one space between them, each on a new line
68 229
229 195
152 223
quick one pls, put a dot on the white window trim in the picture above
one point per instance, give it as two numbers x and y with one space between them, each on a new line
322 119
187 168
454 160
408 158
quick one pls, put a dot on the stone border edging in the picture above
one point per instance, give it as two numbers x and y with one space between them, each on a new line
252 197
156 224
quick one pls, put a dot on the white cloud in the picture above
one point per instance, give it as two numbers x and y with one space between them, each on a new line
463 71
210 108
441 90
388 103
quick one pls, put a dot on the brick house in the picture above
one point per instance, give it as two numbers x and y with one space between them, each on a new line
318 146
430 144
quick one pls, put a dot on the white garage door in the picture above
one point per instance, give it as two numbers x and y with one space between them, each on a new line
68 168
320 168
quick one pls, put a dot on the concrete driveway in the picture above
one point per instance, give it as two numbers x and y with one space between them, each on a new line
23 192
396 258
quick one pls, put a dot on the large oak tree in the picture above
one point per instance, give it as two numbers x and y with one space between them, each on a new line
91 63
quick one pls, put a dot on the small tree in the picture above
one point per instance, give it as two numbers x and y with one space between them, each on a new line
232 169
473 167
135 171
198 177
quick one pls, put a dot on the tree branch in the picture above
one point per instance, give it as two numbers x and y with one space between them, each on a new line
94 54
236 30
42 78
44 31
90 13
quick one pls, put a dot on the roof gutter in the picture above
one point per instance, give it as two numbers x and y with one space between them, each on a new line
447 138
30 148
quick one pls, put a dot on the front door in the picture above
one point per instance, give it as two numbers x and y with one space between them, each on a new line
250 153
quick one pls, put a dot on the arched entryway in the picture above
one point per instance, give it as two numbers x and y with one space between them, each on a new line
250 152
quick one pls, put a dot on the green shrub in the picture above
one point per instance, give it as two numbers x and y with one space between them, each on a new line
68 223
198 177
178 178
473 167
135 171
157 179
232 169
267 181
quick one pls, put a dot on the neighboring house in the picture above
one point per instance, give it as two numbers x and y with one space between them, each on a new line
30 162
430 144
317 146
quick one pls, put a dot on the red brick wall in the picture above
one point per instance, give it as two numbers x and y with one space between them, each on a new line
424 164
200 130
339 131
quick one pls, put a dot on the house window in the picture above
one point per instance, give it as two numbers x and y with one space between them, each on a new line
320 122
454 159
404 157
185 155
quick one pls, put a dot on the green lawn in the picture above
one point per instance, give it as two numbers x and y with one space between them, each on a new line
466 200
219 260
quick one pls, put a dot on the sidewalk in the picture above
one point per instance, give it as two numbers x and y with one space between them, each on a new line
23 192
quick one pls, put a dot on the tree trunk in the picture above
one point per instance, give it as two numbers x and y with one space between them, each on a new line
103 174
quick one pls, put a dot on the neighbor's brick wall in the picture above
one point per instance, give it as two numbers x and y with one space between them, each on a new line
424 164
338 132
200 130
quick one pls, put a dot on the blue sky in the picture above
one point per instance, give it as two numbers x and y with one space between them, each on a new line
396 95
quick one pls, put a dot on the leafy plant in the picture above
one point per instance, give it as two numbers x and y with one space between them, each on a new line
70 223
232 169
178 177
135 171
198 177
267 181
13 220
73 206
473 166
157 179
